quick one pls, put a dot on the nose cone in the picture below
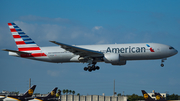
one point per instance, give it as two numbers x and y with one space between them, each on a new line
172 51
175 51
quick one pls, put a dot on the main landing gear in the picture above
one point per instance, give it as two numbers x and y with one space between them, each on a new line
91 68
162 65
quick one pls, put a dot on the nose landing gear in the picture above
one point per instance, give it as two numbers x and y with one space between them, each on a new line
162 65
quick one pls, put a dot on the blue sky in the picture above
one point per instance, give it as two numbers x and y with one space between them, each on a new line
91 22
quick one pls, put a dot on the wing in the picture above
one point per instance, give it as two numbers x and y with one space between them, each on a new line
79 51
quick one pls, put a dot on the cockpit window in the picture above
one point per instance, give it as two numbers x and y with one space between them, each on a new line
171 48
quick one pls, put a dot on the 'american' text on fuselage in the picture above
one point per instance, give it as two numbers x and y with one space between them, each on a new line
126 50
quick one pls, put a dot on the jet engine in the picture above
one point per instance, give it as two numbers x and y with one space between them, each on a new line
114 59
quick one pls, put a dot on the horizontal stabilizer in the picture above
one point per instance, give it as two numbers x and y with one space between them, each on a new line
19 52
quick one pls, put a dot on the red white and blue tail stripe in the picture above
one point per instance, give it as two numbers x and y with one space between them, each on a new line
24 42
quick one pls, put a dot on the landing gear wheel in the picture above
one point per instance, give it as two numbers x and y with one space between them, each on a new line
85 68
93 67
89 67
90 70
162 65
97 67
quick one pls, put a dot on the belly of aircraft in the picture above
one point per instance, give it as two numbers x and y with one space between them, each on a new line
142 56
61 57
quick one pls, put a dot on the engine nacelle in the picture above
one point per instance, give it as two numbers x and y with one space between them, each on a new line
114 59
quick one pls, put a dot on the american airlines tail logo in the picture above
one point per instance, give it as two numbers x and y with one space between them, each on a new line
24 42
152 50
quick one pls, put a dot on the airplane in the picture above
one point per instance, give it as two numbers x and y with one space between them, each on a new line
146 96
49 97
159 97
115 54
27 95
2 97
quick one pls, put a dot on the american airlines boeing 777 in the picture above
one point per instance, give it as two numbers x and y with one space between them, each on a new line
116 54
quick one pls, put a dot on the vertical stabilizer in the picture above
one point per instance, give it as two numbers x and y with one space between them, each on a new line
23 41
52 93
30 92
146 96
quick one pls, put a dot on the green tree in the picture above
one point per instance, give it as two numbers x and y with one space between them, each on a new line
73 92
172 97
78 94
135 97
70 91
64 91
119 94
67 91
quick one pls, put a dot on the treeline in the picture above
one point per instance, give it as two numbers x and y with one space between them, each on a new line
135 97
66 91
173 97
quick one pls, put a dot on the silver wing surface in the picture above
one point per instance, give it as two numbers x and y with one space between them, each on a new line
79 51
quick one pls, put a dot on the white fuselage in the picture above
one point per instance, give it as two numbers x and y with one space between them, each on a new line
139 51
11 99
